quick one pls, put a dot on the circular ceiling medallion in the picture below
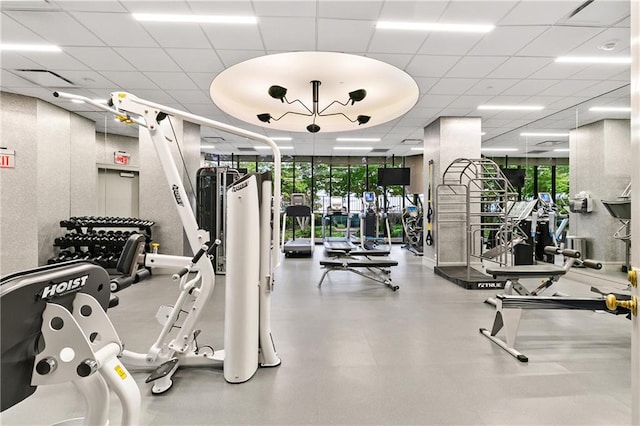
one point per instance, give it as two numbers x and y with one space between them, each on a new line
278 91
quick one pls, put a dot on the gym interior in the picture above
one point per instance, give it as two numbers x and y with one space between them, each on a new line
319 212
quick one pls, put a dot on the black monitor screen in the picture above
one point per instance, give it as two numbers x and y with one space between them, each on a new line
394 176
515 177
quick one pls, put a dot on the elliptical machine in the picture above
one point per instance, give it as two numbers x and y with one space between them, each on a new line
412 223
371 218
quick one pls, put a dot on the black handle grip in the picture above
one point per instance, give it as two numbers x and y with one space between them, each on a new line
593 264
142 274
572 253
181 273
121 283
202 251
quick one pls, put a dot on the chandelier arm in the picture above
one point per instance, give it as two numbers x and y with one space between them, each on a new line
334 102
293 112
300 102
338 113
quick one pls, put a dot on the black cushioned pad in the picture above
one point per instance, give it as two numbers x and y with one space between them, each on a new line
359 263
21 309
128 256
527 271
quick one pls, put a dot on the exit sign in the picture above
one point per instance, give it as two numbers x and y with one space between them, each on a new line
121 157
7 158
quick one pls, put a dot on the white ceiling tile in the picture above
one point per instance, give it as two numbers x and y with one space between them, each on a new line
558 41
190 96
284 8
557 71
457 112
566 102
202 79
600 72
392 41
398 61
435 101
149 59
57 28
529 87
129 32
13 32
469 101
100 58
288 34
452 86
233 36
91 6
475 66
344 35
232 57
415 11
131 80
623 76
600 14
431 66
600 88
449 43
506 41
13 60
518 67
347 9
88 79
539 12
196 60
155 95
476 12
188 36
55 60
8 79
625 23
567 87
146 6
621 36
173 80
425 83
220 7
492 86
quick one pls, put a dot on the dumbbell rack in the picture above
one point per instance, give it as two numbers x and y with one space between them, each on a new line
88 239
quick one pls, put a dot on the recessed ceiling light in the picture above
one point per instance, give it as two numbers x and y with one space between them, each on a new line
31 47
544 134
432 26
608 46
499 149
512 107
281 138
415 148
358 139
354 148
594 59
610 109
561 150
210 19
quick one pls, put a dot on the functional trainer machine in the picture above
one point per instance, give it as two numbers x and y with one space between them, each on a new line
55 330
247 325
302 215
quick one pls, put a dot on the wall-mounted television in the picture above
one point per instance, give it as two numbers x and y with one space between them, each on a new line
515 177
394 176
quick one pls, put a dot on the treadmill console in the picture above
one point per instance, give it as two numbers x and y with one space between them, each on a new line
369 197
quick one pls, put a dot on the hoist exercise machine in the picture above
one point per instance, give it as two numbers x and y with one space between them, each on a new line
55 330
251 208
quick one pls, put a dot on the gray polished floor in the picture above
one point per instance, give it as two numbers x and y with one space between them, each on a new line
354 352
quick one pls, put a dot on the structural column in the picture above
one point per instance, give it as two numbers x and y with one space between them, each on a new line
599 166
445 140
156 198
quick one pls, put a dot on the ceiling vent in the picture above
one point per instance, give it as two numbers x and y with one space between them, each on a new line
379 150
593 13
412 142
45 78
537 151
212 139
245 149
550 143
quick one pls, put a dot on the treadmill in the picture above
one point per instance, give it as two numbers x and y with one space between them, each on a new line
300 212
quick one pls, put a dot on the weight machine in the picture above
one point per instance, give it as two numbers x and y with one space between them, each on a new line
412 223
247 326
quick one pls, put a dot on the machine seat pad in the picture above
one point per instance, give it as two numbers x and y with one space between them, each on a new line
527 271
358 263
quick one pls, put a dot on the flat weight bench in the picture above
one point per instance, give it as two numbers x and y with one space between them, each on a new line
377 270
54 329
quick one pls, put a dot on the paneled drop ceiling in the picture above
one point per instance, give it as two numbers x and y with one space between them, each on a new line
104 49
